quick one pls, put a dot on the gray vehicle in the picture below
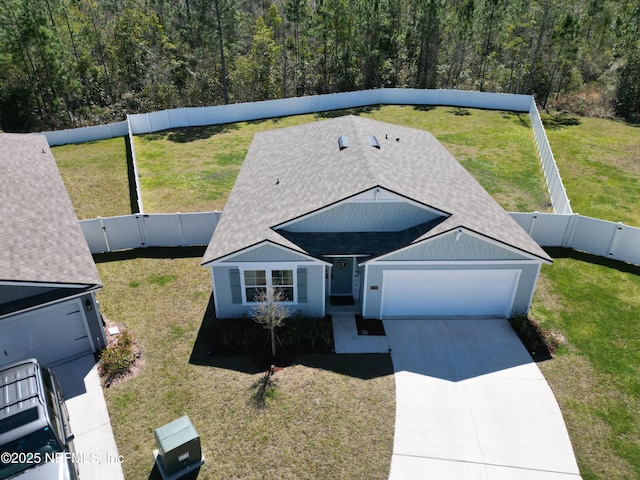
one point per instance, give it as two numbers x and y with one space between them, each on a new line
36 442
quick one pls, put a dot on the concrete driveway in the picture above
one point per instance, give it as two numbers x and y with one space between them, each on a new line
96 450
470 403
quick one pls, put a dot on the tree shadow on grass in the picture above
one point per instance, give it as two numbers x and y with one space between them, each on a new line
559 121
520 118
348 111
191 134
256 359
424 108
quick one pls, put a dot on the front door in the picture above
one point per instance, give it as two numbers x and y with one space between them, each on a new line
342 276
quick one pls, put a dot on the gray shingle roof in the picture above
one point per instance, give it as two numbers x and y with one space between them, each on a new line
40 237
293 171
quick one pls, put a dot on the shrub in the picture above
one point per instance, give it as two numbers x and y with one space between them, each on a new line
298 333
118 357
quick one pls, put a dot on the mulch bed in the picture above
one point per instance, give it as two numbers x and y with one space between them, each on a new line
369 326
540 343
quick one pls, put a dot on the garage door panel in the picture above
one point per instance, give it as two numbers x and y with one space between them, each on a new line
48 334
448 292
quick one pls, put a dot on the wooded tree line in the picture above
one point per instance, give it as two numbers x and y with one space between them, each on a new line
68 63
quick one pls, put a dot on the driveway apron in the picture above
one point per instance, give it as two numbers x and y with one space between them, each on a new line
470 403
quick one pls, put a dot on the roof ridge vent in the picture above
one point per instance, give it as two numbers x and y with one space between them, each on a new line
374 142
343 142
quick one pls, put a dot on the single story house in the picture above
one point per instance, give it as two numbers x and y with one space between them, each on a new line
48 278
380 214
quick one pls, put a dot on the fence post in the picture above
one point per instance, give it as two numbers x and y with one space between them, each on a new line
615 237
184 241
532 223
104 232
144 237
567 242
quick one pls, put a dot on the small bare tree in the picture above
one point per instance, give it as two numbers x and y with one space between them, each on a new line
270 312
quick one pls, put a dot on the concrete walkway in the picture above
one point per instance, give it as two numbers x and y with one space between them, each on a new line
471 404
96 449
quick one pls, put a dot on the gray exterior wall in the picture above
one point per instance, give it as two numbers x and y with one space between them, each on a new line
364 217
524 290
228 304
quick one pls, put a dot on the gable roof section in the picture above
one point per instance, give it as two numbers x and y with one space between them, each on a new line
455 245
291 172
40 235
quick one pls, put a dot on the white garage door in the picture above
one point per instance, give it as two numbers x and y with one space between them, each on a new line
49 334
448 292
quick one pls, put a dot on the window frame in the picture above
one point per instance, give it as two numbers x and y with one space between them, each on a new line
269 269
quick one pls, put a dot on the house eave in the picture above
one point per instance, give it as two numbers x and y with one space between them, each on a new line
434 210
532 257
226 258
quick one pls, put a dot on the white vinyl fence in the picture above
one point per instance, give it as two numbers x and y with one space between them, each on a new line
599 237
87 134
238 112
112 234
557 192
201 116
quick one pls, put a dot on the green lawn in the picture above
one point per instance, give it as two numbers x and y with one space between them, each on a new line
193 169
599 161
595 305
331 416
95 174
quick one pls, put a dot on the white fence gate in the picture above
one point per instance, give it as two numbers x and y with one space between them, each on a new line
111 234
599 237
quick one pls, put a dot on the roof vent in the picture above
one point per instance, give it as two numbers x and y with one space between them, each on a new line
343 142
374 142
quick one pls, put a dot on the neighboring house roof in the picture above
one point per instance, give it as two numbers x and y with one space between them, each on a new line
290 172
40 237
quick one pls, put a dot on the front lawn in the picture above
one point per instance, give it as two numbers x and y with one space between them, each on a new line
329 416
595 305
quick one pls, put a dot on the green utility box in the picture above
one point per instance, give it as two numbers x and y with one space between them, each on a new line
179 450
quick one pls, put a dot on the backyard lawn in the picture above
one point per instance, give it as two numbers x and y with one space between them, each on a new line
599 161
95 174
193 169
329 416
